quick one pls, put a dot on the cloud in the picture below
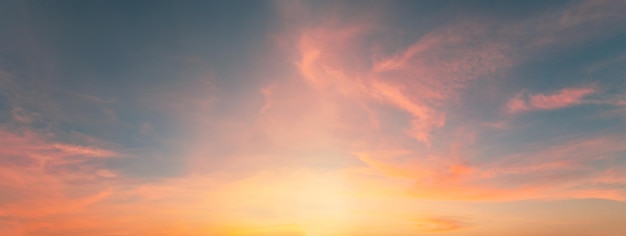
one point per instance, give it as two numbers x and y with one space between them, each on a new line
560 99
568 169
564 98
76 150
37 174
416 80
423 80
441 224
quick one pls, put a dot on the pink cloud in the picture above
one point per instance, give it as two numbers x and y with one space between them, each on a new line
41 174
416 80
563 98
76 150
560 99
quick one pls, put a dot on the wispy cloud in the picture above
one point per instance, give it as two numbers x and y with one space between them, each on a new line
560 99
412 81
441 224
37 173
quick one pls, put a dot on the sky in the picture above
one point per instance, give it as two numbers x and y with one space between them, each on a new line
312 118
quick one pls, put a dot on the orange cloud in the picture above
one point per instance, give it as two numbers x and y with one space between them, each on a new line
516 176
441 224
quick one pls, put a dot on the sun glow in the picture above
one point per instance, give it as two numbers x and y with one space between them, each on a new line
315 202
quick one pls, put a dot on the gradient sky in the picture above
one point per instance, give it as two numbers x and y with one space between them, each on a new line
313 118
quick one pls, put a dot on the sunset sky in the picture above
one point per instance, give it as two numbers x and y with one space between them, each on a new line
312 118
